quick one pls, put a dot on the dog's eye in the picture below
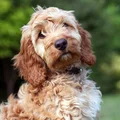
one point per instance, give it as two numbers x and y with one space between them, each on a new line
65 25
41 35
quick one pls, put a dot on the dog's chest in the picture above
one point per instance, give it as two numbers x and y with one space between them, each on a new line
64 98
68 100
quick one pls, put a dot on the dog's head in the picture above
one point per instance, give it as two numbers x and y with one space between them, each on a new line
52 39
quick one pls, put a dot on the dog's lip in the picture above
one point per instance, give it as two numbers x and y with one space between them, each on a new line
65 56
65 53
62 55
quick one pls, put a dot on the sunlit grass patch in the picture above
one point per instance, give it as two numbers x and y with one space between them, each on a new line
110 108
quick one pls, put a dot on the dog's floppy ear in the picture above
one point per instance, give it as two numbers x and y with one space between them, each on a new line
31 67
87 56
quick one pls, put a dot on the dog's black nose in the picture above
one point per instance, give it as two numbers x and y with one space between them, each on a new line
61 44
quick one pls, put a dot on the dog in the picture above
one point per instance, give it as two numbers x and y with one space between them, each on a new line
54 56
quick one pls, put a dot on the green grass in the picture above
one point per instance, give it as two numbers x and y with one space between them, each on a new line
110 108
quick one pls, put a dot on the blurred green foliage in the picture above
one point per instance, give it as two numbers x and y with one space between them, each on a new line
100 17
11 18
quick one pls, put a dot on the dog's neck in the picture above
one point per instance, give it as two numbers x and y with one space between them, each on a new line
77 70
76 74
74 70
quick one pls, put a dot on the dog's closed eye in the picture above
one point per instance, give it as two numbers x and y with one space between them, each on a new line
65 25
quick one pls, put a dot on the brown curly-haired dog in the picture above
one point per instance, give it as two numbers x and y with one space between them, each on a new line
55 51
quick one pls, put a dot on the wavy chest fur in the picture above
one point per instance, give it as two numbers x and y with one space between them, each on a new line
68 97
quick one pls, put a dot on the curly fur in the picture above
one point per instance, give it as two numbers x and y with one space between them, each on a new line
51 92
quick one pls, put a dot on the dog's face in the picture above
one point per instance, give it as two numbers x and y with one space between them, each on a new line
56 38
52 38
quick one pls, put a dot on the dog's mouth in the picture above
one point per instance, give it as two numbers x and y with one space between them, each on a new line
65 56
62 60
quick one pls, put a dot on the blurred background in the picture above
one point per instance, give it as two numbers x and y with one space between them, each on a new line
100 17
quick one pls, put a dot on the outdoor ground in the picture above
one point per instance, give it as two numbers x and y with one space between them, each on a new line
110 107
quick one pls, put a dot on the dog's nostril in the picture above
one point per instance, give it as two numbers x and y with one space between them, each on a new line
61 44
